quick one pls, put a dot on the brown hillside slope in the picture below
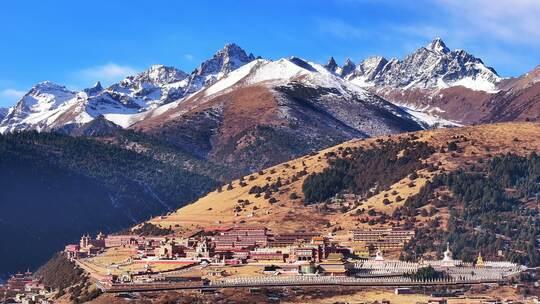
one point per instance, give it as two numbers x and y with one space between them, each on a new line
228 207
253 124
518 99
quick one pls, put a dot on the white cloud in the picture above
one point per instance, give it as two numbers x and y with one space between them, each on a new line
107 73
340 29
506 21
423 31
12 93
9 96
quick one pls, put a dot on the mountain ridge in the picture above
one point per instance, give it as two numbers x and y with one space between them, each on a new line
156 86
431 67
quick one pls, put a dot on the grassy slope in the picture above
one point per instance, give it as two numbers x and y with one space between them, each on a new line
218 207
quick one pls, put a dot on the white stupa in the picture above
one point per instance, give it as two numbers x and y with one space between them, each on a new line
447 259
379 256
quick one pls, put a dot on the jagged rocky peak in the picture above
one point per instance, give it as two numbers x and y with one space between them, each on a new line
438 46
98 86
366 70
348 67
224 61
96 89
331 65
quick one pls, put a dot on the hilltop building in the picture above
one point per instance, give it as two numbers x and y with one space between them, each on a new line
87 246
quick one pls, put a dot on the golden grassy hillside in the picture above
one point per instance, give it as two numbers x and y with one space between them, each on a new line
229 207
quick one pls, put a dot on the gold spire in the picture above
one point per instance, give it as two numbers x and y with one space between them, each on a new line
479 260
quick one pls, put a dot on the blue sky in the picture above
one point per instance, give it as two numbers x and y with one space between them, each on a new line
76 43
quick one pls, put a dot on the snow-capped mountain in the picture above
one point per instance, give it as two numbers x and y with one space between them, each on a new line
230 58
454 87
40 107
290 75
48 106
434 85
288 106
156 86
432 66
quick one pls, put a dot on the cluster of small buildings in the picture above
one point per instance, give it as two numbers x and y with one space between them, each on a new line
256 244
89 246
242 245
86 247
23 288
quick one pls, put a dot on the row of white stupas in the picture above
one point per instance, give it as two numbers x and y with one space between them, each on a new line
447 261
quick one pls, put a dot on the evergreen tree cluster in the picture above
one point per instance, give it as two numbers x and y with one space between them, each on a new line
365 171
149 229
75 185
426 274
490 212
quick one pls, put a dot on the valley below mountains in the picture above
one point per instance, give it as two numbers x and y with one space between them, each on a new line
107 158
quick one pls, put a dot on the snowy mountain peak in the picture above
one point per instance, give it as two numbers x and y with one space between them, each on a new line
224 61
44 97
157 74
372 64
47 85
45 92
302 63
433 66
438 46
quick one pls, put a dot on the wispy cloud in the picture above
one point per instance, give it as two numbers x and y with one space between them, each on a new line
506 34
341 29
9 96
12 93
189 57
107 73
505 21
423 31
